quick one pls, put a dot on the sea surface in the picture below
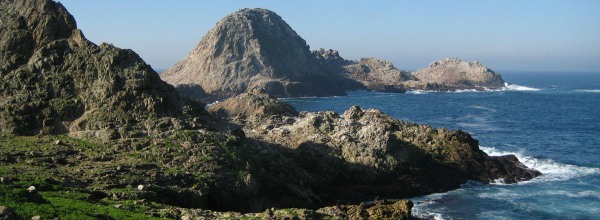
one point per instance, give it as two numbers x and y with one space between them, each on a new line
551 121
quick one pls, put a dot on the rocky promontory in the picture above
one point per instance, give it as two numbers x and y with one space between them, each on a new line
365 153
255 49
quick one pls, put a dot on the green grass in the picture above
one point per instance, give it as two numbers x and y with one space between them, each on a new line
64 203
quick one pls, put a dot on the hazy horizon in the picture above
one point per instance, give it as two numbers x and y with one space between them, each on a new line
533 36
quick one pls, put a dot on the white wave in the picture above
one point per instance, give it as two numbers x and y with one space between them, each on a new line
581 194
515 87
588 90
483 108
417 92
550 169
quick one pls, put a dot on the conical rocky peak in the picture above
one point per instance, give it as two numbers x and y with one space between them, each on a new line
254 48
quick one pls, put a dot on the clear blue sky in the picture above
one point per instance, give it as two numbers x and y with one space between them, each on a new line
532 35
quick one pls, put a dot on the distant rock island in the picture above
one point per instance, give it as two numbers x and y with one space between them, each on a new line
452 74
256 49
90 131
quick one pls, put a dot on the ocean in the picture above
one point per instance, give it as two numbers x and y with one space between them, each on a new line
551 121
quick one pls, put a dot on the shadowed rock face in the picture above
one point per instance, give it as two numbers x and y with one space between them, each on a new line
54 80
453 73
255 48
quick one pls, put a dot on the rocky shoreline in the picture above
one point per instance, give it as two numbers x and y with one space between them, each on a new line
92 131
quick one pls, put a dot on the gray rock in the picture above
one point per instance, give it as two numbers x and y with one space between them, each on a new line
255 49
31 189
452 73
378 75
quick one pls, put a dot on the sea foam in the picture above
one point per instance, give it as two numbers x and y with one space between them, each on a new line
515 87
588 90
551 170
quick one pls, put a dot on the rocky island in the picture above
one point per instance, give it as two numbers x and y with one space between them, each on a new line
256 49
90 131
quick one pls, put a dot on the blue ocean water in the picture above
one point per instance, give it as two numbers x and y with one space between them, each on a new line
551 121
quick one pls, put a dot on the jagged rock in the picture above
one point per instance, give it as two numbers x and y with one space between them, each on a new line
54 80
255 49
452 74
378 75
324 157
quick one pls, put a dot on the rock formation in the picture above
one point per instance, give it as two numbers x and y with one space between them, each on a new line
54 80
256 49
360 154
452 74
378 75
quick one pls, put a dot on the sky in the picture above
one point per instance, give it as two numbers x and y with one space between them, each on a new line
509 35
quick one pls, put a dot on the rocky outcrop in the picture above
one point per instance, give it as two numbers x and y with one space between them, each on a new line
255 49
54 80
324 157
453 74
255 104
378 75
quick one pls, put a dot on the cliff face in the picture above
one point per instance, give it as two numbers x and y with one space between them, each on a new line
453 73
54 80
255 49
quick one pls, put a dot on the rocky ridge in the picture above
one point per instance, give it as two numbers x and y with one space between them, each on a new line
378 75
54 80
255 49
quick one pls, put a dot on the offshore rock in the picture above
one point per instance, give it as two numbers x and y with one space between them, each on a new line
324 157
55 81
453 74
255 49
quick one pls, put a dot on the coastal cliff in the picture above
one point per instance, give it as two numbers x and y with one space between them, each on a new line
92 131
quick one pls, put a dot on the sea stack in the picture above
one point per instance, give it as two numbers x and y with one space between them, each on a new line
254 49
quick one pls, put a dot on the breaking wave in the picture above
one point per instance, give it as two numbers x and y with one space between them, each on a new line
515 87
551 170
